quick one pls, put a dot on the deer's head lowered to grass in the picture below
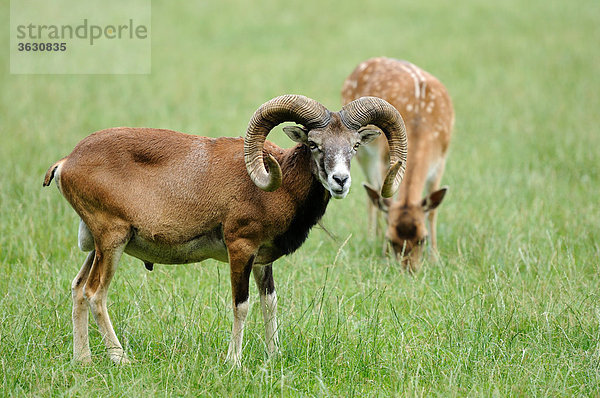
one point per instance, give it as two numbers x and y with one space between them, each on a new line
426 108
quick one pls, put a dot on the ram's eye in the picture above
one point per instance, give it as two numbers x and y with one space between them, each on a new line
356 146
312 146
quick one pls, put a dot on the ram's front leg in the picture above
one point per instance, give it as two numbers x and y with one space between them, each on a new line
241 259
263 275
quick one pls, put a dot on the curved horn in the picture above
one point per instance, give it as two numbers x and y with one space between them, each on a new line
286 108
373 110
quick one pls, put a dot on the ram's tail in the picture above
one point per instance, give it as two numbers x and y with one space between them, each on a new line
51 171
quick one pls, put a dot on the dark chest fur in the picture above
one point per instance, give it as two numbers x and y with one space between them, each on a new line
309 213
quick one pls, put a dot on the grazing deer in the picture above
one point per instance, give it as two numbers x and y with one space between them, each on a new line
426 108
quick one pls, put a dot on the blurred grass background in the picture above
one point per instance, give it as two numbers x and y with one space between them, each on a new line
512 307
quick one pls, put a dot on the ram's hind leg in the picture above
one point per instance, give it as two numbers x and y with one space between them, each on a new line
263 275
105 263
81 344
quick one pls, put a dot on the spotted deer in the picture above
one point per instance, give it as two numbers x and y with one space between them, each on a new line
427 110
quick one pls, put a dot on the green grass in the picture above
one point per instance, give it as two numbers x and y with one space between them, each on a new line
512 307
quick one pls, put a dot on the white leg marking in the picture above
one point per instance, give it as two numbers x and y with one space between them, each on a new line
268 303
234 354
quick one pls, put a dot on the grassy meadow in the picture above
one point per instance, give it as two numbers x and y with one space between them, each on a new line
512 308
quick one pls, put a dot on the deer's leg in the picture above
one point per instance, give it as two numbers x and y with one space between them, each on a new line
369 158
433 184
81 344
263 276
432 221
108 253
374 220
385 247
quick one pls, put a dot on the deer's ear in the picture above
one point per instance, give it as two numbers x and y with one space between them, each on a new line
382 203
434 199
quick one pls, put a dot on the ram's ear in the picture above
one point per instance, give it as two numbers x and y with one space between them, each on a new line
368 134
297 133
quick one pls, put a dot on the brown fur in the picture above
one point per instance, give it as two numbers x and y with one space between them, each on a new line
176 196
171 188
168 197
